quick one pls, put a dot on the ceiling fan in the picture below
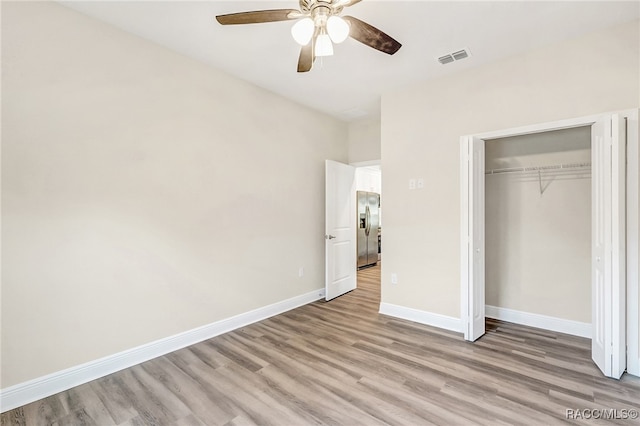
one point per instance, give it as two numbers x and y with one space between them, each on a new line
318 25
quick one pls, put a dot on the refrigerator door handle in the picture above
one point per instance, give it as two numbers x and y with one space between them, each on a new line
368 219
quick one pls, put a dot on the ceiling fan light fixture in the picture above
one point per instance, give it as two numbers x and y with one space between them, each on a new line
338 29
316 26
323 45
302 31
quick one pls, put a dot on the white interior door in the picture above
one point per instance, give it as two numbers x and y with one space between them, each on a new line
608 281
472 235
340 229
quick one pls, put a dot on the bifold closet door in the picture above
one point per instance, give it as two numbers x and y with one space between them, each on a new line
472 235
608 281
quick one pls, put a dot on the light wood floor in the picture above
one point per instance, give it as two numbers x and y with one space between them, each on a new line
341 363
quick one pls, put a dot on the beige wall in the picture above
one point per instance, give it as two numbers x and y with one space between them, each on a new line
421 128
538 245
364 140
143 194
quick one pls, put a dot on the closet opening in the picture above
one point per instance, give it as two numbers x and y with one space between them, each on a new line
609 241
538 230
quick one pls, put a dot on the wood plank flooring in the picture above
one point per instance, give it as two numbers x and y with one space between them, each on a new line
341 363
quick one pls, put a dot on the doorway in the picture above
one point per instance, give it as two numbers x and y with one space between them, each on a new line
368 182
341 224
608 234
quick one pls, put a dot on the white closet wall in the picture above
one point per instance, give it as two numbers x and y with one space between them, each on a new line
538 227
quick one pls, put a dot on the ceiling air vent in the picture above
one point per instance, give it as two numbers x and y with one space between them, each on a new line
445 59
455 56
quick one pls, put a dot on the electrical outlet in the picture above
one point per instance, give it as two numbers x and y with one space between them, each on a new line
412 183
301 271
394 278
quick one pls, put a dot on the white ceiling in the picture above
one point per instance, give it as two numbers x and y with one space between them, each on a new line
349 84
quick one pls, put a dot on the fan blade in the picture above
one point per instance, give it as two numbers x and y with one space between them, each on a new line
259 16
305 61
308 53
371 36
345 3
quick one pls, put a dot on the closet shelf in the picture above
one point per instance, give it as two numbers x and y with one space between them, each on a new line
571 167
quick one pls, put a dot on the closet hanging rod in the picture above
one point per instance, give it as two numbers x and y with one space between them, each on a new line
554 168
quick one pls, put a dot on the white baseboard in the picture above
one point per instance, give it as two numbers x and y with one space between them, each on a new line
33 390
422 317
575 328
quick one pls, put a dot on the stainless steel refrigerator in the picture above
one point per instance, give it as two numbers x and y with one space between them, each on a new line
368 222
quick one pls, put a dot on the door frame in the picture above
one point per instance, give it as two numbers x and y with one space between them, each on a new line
632 232
633 240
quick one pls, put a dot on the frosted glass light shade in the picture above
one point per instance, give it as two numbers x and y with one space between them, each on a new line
338 29
302 31
324 46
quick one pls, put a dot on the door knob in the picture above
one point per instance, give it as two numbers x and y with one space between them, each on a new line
329 237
